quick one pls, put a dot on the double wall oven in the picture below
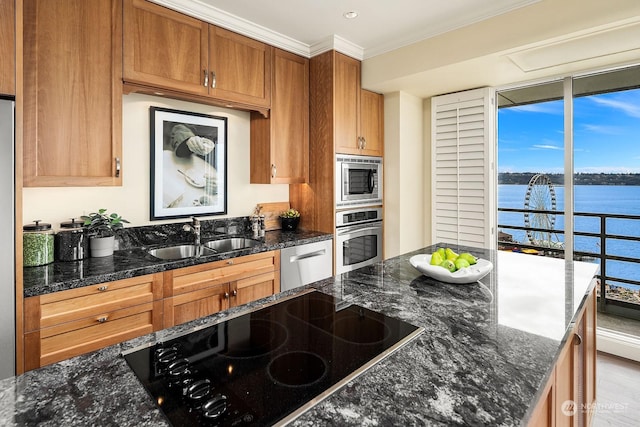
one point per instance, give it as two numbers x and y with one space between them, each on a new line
358 235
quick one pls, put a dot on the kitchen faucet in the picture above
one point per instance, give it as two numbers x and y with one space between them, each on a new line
195 227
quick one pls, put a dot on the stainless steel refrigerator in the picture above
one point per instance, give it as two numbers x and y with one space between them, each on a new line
7 241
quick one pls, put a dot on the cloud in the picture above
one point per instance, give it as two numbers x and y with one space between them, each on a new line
603 129
545 108
546 147
629 108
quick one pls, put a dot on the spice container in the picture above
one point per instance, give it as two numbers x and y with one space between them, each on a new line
71 242
37 244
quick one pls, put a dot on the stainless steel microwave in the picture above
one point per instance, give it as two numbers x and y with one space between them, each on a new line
358 180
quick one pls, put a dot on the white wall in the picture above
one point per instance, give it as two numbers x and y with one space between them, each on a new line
404 175
58 204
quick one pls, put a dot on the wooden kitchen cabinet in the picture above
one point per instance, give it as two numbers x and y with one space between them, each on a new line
64 324
205 289
358 112
164 49
280 142
7 47
72 93
569 396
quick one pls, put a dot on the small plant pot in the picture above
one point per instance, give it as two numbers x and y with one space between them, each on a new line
289 224
102 246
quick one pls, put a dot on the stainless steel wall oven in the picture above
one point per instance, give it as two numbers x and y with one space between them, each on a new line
358 238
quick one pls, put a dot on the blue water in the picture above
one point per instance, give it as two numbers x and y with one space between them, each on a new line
610 199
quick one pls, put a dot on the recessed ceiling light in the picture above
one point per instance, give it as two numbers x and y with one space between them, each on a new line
350 15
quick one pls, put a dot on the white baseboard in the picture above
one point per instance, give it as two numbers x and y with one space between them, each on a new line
618 344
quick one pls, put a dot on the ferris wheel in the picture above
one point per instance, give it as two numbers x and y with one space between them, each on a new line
541 196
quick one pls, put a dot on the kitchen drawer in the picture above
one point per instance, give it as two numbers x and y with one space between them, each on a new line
59 307
194 305
59 342
206 275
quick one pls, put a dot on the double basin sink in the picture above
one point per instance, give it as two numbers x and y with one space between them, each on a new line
208 248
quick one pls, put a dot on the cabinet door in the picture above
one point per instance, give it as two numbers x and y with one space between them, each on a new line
253 288
164 48
240 68
7 47
347 104
72 93
371 123
193 305
280 142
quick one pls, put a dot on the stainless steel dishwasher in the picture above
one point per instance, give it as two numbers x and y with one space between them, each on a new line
304 264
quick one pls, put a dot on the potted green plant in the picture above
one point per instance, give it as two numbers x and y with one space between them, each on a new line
101 228
289 219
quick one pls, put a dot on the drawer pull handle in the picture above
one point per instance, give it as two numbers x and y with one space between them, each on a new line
230 262
103 288
226 295
206 78
103 319
577 339
234 293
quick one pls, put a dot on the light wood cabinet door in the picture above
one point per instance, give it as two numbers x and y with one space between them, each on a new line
72 93
164 48
280 142
347 104
371 123
193 305
253 288
240 68
7 47
64 324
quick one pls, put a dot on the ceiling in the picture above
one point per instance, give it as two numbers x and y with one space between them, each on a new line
315 25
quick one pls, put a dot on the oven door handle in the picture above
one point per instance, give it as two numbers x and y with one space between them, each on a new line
358 230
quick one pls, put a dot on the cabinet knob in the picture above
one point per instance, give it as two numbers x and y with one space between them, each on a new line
230 262
103 288
274 171
577 339
103 319
206 78
226 295
234 293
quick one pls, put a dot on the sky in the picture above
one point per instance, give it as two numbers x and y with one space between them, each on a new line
606 135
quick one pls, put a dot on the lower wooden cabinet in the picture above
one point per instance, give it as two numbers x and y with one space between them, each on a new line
569 396
202 290
64 324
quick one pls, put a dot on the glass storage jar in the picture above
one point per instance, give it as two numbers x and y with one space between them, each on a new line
71 242
37 244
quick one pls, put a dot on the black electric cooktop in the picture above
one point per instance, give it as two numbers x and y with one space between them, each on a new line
267 366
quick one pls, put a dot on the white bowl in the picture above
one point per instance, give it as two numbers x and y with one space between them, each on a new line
463 276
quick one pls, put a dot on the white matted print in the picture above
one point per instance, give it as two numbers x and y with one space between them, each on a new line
188 164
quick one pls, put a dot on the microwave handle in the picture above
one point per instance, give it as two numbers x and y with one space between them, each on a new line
371 180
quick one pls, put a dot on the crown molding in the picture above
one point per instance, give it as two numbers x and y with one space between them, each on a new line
207 13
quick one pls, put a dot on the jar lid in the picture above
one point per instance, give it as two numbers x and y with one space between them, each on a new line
37 226
72 224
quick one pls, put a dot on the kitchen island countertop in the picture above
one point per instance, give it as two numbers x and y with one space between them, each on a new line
487 351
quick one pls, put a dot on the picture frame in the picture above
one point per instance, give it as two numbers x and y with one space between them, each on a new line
188 164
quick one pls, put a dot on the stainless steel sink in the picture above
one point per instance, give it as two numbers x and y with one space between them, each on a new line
231 244
180 251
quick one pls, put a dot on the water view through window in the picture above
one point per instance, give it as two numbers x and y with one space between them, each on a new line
606 176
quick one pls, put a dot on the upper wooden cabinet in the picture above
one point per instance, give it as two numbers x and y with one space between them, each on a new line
168 50
280 143
358 113
7 47
72 93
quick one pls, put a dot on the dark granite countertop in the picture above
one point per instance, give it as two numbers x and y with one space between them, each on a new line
133 260
487 350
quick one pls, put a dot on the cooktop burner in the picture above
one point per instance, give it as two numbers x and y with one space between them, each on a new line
267 366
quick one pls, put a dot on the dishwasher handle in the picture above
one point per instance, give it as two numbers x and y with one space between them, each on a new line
296 258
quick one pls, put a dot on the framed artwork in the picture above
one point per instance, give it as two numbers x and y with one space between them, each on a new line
188 164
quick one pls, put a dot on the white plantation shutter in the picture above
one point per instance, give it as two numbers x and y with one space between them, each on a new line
463 181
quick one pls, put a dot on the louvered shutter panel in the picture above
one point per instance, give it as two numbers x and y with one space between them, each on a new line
463 181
